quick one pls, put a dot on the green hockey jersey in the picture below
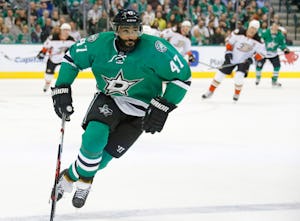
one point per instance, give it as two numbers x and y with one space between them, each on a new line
273 42
133 78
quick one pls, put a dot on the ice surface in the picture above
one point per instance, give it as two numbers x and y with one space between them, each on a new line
215 160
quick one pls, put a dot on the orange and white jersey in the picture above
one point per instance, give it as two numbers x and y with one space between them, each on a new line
56 48
243 47
180 42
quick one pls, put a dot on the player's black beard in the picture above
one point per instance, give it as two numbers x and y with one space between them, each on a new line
121 46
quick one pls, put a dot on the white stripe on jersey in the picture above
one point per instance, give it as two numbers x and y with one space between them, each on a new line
126 105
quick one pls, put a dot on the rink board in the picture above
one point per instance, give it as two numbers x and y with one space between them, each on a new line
19 61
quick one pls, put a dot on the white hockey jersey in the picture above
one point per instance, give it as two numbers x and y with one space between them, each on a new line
244 47
180 42
56 48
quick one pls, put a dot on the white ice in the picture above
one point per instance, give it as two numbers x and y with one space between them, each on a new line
214 161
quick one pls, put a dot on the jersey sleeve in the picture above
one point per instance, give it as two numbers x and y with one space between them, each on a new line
282 42
260 51
173 69
77 58
232 38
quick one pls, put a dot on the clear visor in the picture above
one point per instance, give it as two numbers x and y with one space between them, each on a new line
130 30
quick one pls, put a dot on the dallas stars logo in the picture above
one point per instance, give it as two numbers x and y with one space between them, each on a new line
118 84
105 110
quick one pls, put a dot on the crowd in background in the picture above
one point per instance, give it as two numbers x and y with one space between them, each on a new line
23 21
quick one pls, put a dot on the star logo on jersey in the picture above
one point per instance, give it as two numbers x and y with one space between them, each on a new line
105 110
118 84
271 44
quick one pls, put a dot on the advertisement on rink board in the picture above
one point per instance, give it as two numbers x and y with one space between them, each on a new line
20 61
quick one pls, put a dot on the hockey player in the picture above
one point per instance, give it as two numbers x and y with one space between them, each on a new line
179 37
129 68
56 46
241 46
273 39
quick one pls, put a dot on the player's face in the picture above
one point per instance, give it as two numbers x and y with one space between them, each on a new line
185 30
274 28
65 34
129 34
251 31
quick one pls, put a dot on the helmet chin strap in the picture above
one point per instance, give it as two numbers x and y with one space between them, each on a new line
121 46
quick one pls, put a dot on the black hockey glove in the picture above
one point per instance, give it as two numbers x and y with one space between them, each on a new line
157 114
286 50
228 58
62 101
41 55
192 58
248 61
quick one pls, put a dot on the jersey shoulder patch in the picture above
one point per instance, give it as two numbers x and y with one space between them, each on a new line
160 46
93 37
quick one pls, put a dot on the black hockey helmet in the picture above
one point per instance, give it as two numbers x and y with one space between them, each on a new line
127 17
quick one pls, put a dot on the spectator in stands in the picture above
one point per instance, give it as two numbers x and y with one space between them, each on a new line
134 6
93 16
33 10
166 8
55 18
116 5
16 29
5 36
223 22
218 38
204 7
46 29
142 5
230 9
148 16
36 34
212 18
171 22
74 33
24 37
276 19
42 20
218 8
18 4
211 31
22 14
200 33
162 23
260 3
9 20
181 10
43 7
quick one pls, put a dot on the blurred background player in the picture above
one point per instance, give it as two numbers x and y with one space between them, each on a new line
241 46
273 39
130 69
179 37
55 46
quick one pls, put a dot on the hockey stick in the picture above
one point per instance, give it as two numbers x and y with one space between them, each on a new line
213 67
57 171
18 58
